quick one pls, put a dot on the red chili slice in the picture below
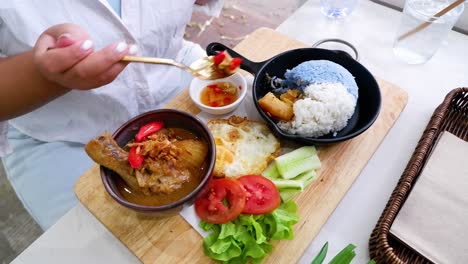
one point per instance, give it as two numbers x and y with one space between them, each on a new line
134 158
147 130
218 58
235 62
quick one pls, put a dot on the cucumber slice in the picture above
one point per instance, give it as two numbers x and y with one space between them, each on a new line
288 184
288 195
292 169
306 178
297 184
295 155
271 172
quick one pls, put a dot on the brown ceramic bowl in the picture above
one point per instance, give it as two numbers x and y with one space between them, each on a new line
171 118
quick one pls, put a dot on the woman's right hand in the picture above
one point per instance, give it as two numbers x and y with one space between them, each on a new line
64 54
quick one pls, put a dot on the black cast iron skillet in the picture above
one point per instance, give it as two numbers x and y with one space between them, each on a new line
367 107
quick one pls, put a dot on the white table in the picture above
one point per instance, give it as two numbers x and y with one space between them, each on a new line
79 238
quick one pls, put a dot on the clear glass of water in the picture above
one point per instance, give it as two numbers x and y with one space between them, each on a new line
419 47
337 8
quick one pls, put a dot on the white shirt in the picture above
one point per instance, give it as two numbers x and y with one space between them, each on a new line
156 26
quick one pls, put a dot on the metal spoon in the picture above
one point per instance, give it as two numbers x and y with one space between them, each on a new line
202 68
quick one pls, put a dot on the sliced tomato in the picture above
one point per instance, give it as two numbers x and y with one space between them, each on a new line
218 58
147 130
262 195
224 201
134 158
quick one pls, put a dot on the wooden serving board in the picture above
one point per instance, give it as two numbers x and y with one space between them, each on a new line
172 240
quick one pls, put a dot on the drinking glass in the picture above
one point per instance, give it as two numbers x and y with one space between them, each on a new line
337 8
419 47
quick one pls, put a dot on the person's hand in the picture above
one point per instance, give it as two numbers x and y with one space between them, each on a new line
64 54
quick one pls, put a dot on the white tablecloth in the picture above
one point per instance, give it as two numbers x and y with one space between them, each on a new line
79 238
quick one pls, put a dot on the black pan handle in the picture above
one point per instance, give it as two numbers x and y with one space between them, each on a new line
248 65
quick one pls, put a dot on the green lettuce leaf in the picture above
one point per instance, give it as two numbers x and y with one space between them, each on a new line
224 250
227 230
247 238
284 217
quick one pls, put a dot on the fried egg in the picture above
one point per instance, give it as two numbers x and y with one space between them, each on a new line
242 146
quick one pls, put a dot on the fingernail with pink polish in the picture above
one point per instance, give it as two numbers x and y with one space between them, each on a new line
133 49
64 40
121 47
87 44
65 35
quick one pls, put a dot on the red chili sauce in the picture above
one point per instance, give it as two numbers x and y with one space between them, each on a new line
219 94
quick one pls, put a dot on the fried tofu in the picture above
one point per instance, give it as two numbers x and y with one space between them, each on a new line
290 96
275 107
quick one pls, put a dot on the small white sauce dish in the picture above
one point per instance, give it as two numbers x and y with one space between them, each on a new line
197 85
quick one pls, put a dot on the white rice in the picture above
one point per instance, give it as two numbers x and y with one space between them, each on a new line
325 109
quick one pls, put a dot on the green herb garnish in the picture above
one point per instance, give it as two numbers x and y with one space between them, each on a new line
345 256
321 256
